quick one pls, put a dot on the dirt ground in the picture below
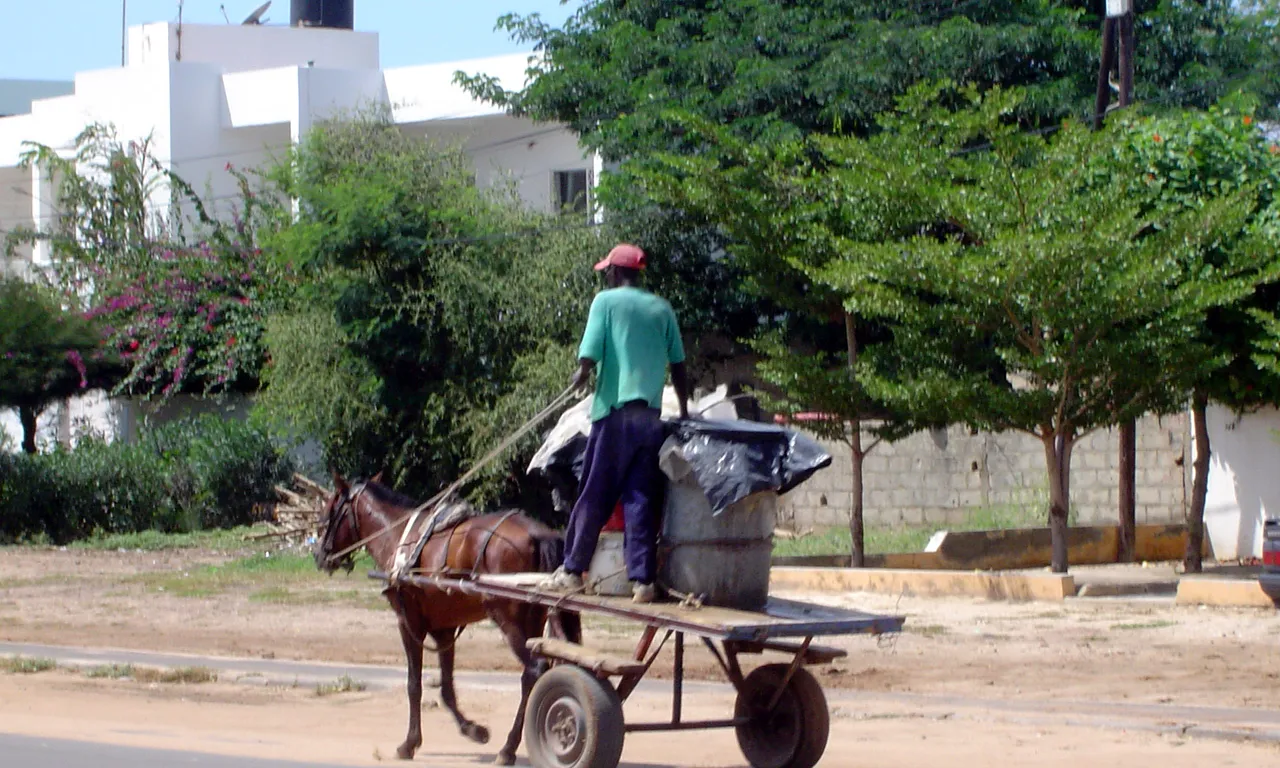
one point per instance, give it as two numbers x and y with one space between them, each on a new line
363 729
1147 652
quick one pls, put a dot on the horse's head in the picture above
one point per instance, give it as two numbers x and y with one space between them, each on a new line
336 548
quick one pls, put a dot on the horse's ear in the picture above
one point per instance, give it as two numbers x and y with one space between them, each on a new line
378 477
339 484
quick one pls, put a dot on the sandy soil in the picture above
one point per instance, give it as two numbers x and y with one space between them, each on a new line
1083 650
364 728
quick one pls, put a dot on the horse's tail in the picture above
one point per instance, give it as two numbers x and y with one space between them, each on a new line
550 552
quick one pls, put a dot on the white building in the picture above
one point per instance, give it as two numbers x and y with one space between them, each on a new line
209 95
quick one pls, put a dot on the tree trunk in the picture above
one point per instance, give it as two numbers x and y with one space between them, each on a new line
1128 501
857 553
1192 561
1057 453
27 415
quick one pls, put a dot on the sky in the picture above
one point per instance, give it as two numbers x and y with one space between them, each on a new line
54 39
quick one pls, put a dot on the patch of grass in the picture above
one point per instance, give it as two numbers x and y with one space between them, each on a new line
886 539
189 675
155 541
271 573
928 630
1146 625
24 665
110 672
344 684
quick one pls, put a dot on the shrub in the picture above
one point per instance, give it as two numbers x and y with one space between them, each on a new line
205 473
220 470
68 495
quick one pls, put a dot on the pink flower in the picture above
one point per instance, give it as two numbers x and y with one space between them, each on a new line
77 362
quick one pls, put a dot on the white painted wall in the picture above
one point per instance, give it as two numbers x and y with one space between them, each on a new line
1244 484
236 48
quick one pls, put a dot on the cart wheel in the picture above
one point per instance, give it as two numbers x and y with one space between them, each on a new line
794 735
573 720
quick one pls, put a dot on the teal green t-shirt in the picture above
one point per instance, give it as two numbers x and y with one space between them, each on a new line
631 335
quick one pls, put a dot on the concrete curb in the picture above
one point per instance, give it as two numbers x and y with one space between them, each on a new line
990 585
1208 590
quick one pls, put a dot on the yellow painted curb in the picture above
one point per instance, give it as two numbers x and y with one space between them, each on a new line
1244 593
991 585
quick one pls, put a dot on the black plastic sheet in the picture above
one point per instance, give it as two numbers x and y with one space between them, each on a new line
729 460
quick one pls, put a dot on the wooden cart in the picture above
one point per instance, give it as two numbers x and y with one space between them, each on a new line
574 717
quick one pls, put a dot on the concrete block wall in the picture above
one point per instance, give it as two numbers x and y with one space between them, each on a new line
943 477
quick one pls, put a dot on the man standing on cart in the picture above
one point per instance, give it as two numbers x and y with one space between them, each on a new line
630 339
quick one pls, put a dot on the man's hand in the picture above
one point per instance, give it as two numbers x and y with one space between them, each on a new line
582 377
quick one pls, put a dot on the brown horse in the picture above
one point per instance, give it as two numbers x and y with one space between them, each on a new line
496 543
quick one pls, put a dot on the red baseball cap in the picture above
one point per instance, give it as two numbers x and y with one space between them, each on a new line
623 255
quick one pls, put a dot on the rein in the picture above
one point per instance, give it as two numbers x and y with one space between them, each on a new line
399 567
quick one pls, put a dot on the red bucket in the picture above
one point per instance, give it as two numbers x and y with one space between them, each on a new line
615 521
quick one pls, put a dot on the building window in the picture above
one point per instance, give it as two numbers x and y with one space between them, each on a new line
571 193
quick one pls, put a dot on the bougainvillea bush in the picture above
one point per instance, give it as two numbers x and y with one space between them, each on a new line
180 291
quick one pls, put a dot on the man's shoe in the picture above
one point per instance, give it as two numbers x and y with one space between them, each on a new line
643 593
562 581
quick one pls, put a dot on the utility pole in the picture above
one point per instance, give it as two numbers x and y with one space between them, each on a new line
124 27
1117 33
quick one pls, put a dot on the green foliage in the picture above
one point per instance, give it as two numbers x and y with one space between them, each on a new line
49 353
67 495
634 79
204 473
1187 161
219 470
785 70
428 322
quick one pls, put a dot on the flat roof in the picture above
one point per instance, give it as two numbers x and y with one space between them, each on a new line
16 95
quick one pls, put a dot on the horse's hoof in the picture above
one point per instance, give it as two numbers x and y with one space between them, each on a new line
505 758
477 733
405 752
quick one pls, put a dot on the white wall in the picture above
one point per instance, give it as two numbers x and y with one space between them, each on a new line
509 150
1244 484
236 48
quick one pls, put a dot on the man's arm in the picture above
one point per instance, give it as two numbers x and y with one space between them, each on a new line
581 376
592 347
679 380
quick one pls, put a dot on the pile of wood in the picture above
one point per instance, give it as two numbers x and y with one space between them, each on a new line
296 516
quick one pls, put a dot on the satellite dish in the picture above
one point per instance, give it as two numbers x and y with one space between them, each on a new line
255 18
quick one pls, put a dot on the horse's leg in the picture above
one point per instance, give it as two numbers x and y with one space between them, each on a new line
412 640
519 623
444 639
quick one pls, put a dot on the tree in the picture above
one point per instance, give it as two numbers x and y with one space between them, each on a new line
433 309
1185 162
626 76
1090 302
49 353
792 208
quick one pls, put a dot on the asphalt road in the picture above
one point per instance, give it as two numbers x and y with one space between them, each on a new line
32 752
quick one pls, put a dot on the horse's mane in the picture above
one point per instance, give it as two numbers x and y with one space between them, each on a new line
452 511
386 494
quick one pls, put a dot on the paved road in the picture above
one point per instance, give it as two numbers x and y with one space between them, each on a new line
31 752
1227 723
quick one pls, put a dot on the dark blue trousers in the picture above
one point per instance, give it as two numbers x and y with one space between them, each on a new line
620 463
